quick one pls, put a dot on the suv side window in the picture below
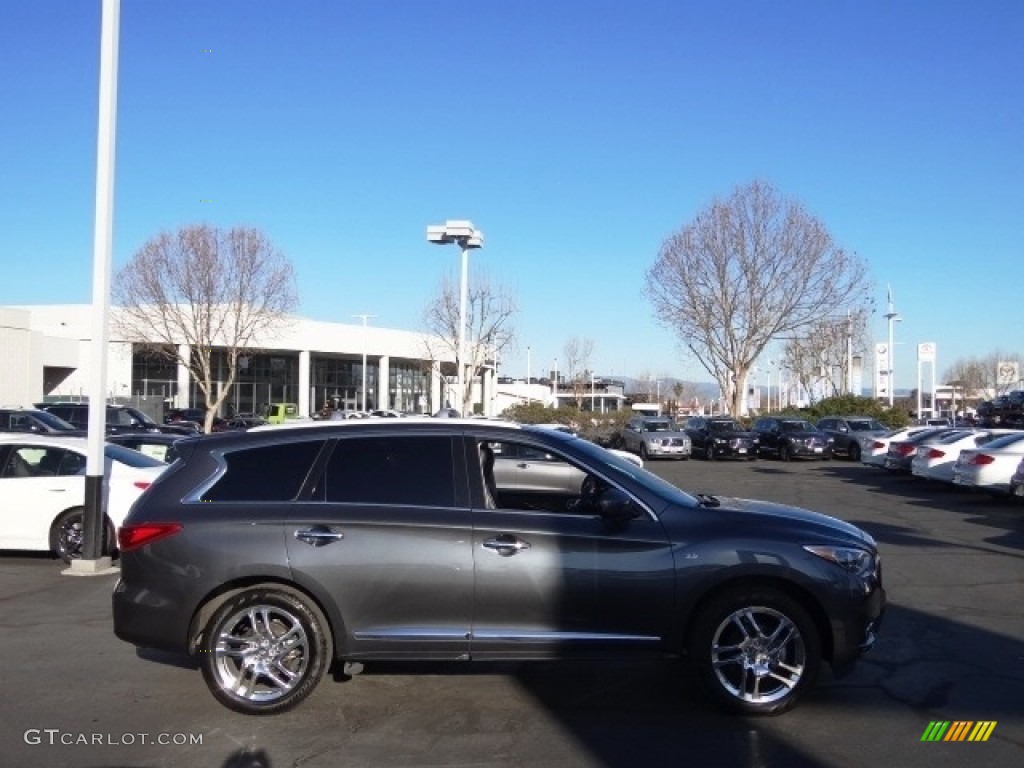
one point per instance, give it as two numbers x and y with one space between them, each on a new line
417 470
265 473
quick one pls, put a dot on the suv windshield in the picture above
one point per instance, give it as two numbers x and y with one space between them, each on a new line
659 426
796 426
724 426
865 425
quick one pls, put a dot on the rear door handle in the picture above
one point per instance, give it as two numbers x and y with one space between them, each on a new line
318 535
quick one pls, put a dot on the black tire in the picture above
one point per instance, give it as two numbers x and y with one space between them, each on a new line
643 451
854 451
784 454
67 535
264 651
709 452
739 655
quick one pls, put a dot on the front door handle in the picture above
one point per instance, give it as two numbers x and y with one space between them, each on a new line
318 535
506 545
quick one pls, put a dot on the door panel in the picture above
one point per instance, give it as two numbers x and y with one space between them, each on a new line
565 583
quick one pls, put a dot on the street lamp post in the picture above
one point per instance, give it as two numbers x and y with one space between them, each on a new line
364 318
891 316
467 238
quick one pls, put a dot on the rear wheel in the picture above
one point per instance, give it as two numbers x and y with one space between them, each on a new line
67 535
854 451
756 650
264 651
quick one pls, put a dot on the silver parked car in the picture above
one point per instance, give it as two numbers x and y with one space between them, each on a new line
656 437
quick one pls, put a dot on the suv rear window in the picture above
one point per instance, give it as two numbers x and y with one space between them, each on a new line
265 473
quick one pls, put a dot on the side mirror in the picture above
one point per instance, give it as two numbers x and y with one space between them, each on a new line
616 507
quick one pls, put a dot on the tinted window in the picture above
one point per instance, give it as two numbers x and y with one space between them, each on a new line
796 426
725 426
264 473
130 457
414 470
660 426
865 425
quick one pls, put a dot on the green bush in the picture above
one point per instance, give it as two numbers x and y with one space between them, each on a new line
600 428
853 405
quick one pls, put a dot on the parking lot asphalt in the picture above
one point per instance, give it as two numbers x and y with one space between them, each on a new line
951 649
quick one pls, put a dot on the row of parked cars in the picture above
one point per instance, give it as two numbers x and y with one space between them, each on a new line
989 459
782 437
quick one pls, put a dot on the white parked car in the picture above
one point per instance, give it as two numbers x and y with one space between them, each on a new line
42 490
873 448
990 468
934 461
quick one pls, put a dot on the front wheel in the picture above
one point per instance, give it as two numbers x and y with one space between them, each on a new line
643 452
264 651
784 454
756 650
854 451
709 452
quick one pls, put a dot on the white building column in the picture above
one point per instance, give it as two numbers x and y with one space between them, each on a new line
304 379
184 378
436 400
383 382
488 391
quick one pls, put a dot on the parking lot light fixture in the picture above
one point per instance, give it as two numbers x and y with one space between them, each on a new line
467 237
364 318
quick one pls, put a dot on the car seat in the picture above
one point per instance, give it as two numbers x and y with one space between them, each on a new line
487 465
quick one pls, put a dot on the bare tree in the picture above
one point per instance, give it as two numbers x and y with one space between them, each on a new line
489 331
979 376
748 269
578 352
206 288
819 357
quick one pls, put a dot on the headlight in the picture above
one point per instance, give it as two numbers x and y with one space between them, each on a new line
852 559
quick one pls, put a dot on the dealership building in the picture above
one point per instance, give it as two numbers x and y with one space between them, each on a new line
47 350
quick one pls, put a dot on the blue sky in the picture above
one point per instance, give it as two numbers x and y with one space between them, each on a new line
576 135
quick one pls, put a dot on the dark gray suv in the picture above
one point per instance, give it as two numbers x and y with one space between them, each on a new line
273 554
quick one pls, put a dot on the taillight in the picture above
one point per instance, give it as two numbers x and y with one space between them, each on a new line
131 537
142 484
875 445
906 449
981 459
935 453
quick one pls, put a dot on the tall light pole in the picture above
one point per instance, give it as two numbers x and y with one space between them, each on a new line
463 233
528 377
891 316
364 318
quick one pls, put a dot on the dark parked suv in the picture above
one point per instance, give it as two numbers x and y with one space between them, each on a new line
792 438
35 421
271 554
120 419
720 436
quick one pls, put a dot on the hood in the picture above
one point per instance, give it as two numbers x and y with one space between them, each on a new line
802 521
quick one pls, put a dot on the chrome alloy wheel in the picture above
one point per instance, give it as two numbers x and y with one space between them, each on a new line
261 653
758 655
